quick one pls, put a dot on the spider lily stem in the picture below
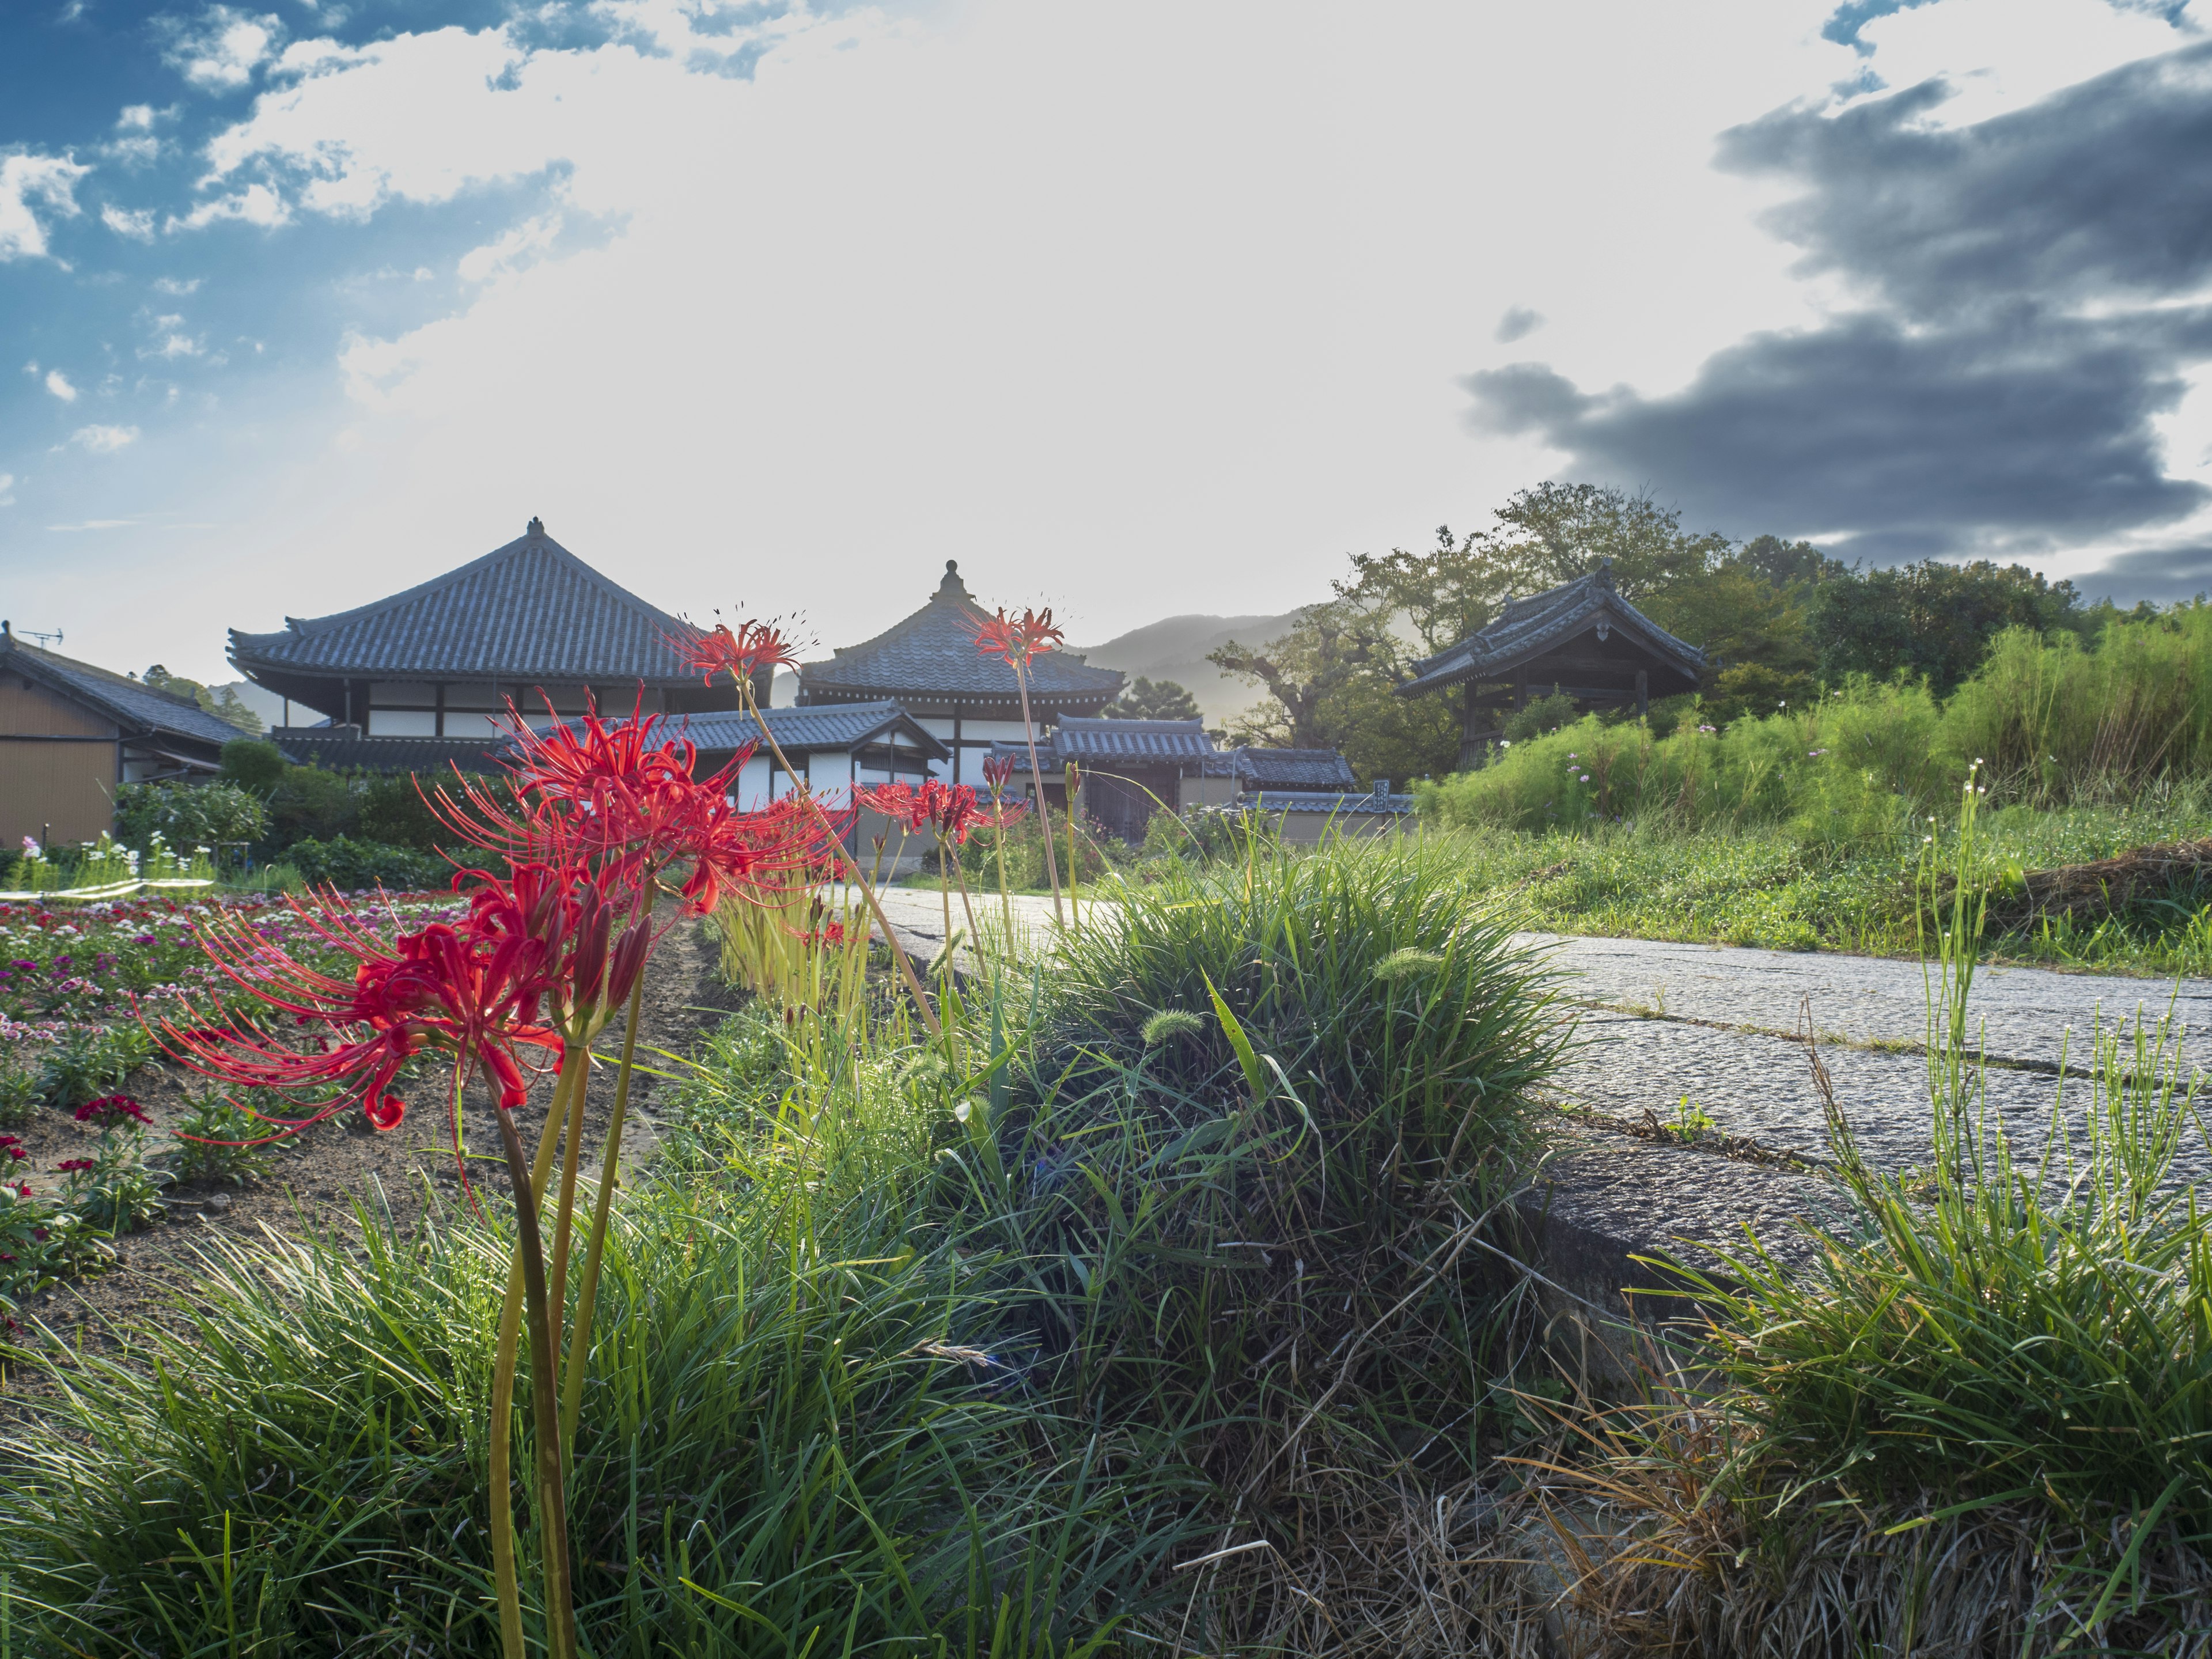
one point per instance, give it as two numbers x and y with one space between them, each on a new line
1037 782
588 1288
502 1380
560 1612
867 891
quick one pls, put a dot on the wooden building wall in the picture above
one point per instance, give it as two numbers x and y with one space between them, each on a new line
57 765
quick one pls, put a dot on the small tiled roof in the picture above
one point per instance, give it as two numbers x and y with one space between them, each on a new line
1526 629
1293 768
1306 800
932 653
529 611
138 707
829 726
346 748
1088 740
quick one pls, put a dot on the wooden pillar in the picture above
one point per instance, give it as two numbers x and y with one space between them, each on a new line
1643 693
1521 686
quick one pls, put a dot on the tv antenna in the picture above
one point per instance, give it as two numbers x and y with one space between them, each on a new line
54 638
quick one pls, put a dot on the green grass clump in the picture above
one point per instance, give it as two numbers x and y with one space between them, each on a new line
800 1435
1266 1111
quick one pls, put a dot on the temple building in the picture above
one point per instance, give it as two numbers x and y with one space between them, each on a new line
1580 640
421 680
70 733
929 665
1127 770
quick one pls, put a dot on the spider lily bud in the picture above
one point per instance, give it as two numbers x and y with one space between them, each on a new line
628 960
587 967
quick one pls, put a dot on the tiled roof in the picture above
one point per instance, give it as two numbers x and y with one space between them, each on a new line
1293 768
345 748
1089 740
531 610
1303 800
932 652
828 725
138 707
1528 628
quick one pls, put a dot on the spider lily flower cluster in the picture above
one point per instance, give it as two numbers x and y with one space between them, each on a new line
611 837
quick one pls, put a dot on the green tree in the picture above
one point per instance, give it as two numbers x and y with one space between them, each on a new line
225 705
1146 700
1934 619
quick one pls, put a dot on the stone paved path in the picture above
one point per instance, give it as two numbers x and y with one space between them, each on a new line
1717 1024
1666 1023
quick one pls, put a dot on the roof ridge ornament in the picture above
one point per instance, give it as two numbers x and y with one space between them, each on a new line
1603 575
952 587
537 526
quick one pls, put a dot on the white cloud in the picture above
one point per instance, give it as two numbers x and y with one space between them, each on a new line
524 246
136 223
58 384
173 347
103 439
221 53
136 117
7 489
25 179
177 287
257 204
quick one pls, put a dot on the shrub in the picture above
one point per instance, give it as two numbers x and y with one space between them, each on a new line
88 1061
253 766
19 1096
187 816
217 1140
312 803
352 865
113 1190
41 1244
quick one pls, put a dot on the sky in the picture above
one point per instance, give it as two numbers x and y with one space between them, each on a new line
773 305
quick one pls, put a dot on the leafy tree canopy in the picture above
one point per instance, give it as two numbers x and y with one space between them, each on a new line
1146 700
225 705
1935 619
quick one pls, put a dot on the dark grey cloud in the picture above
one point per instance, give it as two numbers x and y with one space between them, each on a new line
1518 324
2023 427
2152 573
2104 188
2033 305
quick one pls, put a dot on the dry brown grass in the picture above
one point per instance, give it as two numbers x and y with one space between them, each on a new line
2100 889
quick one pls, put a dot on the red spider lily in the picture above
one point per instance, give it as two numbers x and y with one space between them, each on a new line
997 770
1019 639
952 810
475 991
902 803
755 646
595 790
111 1108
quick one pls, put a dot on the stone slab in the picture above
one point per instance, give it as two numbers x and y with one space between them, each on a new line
2023 1014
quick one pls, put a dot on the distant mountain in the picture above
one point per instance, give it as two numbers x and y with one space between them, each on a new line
1175 649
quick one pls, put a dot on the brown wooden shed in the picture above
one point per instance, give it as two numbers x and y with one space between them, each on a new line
70 733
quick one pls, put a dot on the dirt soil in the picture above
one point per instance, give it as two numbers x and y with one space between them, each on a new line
320 1174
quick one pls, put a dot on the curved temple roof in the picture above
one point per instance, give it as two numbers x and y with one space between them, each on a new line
531 610
931 656
1527 629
